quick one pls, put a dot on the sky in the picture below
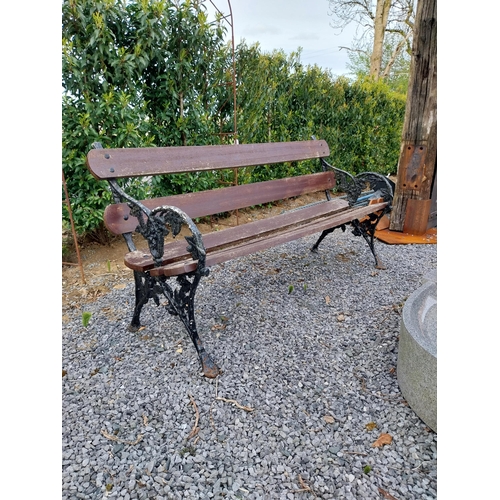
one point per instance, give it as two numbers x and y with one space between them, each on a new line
288 25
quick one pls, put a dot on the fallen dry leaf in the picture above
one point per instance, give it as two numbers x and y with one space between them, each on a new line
328 419
370 426
327 299
342 257
340 317
382 439
386 494
120 287
179 351
218 327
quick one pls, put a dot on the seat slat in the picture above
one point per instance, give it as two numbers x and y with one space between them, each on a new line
254 236
217 240
249 247
136 162
118 220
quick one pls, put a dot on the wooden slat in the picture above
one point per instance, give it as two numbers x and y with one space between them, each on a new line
136 162
141 261
251 247
223 247
118 220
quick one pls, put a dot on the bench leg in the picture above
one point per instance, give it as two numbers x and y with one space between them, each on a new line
143 292
323 235
367 230
181 303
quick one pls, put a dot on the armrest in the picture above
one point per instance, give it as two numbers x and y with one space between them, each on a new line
353 186
159 222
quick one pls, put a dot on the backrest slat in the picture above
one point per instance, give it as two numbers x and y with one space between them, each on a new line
136 162
118 220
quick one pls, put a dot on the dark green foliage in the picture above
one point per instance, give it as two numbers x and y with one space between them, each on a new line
142 73
135 73
280 100
366 135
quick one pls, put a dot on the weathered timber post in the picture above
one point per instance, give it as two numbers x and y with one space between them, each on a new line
417 159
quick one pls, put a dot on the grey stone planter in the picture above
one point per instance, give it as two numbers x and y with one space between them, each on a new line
417 355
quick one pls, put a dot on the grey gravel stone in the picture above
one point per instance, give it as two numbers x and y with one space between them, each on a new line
328 348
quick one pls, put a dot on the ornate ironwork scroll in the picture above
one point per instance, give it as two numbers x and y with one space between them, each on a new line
353 186
154 225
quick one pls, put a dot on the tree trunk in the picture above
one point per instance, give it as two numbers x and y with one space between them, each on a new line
417 160
380 24
394 56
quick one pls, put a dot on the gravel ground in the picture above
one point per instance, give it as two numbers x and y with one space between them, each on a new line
315 364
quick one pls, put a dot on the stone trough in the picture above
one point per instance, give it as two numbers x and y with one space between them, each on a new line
417 355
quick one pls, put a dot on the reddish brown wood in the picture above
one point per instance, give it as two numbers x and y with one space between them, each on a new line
399 238
141 261
252 237
417 216
278 238
136 162
118 220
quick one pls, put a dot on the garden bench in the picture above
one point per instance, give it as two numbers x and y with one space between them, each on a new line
172 269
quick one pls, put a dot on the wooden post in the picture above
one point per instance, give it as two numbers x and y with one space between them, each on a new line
417 160
75 239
